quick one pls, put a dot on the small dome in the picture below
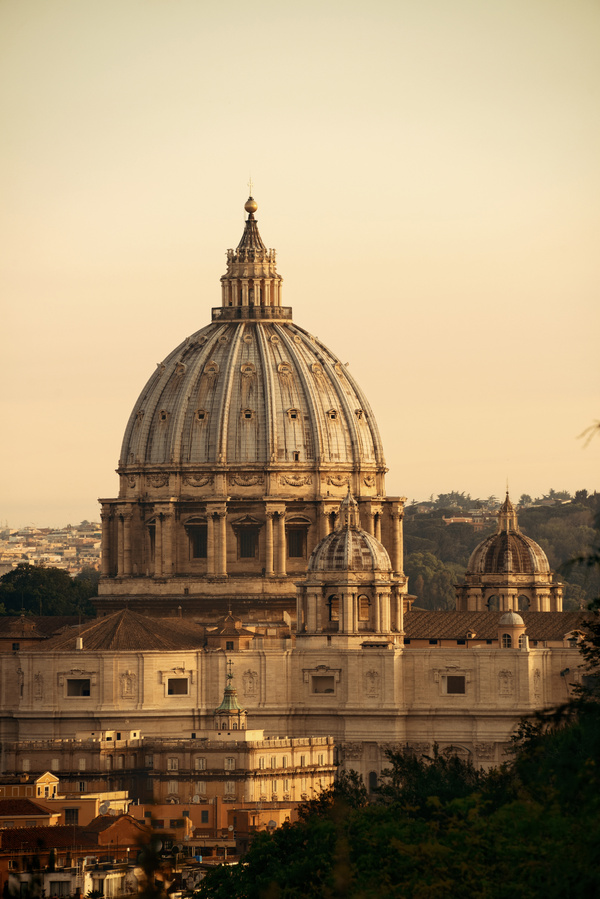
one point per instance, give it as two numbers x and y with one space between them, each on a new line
504 553
349 549
511 619
508 551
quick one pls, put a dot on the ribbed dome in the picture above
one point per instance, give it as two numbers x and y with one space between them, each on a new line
508 550
349 549
251 392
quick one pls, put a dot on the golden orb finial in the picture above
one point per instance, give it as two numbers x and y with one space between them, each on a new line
250 205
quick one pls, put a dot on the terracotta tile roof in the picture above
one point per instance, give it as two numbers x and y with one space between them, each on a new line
127 631
23 807
454 625
61 836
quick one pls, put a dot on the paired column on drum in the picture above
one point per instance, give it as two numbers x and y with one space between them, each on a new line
216 539
275 540
397 516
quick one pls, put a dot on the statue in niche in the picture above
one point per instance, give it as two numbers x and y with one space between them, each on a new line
128 683
505 683
372 683
38 686
250 682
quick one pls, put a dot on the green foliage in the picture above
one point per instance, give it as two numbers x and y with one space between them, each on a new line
37 590
432 580
442 828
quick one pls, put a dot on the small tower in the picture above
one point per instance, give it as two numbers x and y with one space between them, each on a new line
230 715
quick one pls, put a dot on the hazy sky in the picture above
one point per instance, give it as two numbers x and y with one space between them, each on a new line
429 173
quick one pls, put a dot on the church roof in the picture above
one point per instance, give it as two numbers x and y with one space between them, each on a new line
127 631
540 626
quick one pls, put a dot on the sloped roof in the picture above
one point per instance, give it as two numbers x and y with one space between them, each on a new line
127 631
454 625
59 836
25 807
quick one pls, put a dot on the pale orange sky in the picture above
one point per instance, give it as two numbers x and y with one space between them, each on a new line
428 173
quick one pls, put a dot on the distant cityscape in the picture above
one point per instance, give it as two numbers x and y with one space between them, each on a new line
72 548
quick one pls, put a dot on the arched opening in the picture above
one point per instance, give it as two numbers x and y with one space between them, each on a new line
197 531
493 603
364 607
521 641
333 604
372 781
523 603
506 641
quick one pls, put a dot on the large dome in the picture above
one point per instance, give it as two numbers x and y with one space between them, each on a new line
236 456
251 392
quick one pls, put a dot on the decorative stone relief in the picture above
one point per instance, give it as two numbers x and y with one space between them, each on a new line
391 747
158 480
337 480
419 748
352 750
372 683
250 682
246 480
198 480
295 480
369 480
140 415
274 338
38 686
338 368
161 367
484 750
180 368
297 339
537 684
505 683
128 685
132 480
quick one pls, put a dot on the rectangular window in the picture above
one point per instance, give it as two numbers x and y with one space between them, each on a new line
302 761
229 646
200 763
82 763
173 786
433 642
323 683
16 647
248 539
273 761
261 762
284 761
71 816
320 759
200 788
198 541
296 543
55 765
204 817
455 683
78 686
172 764
230 764
25 765
82 786
177 686
229 787
149 760
286 785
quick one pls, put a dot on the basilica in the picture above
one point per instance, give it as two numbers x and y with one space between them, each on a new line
252 527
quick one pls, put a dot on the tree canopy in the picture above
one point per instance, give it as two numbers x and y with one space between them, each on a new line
37 590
